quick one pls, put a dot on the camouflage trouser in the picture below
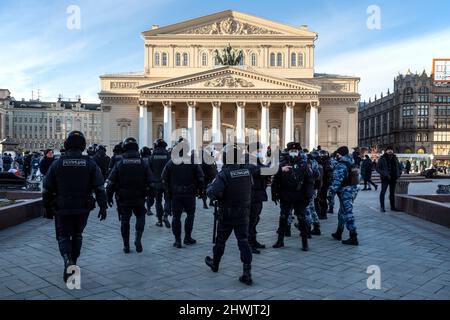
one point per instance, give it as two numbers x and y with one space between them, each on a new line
311 213
345 214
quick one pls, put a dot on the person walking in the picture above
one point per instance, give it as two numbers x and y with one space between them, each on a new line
389 170
366 173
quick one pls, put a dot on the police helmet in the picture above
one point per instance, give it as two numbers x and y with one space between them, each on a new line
75 140
118 148
315 154
145 152
324 154
130 144
160 143
101 148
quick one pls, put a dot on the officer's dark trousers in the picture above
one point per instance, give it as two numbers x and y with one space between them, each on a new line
69 233
224 231
299 210
385 183
182 203
323 204
160 210
125 213
255 213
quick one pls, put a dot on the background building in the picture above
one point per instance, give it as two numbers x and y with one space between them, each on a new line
274 92
414 119
38 125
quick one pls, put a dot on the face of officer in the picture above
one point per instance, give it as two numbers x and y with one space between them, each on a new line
293 153
50 154
389 152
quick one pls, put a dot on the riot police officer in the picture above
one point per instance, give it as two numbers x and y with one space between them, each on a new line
259 194
67 196
102 160
232 189
324 161
183 183
312 217
130 180
117 155
157 161
293 186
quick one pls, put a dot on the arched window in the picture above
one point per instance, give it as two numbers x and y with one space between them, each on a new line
421 151
424 90
293 59
419 137
272 59
165 59
157 59
178 59
254 60
425 137
279 59
204 59
185 59
301 60
57 125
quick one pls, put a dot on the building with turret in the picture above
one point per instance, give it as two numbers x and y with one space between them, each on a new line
414 118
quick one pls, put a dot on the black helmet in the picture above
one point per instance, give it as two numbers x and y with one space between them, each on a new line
146 152
101 148
324 154
160 143
75 140
92 149
130 144
118 148
315 154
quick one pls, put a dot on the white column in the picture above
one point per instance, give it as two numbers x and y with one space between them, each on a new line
216 125
289 122
168 122
143 141
313 127
149 127
265 123
240 122
192 128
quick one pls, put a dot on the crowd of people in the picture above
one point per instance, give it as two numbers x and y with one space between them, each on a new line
305 184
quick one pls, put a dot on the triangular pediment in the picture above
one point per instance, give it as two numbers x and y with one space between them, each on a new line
231 78
231 23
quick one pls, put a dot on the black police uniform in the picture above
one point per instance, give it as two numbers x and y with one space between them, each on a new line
232 188
294 189
130 180
157 161
150 201
102 160
67 195
324 160
117 156
183 183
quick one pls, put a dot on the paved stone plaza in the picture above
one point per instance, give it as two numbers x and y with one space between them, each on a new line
414 257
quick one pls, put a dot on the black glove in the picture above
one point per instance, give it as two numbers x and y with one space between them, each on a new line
110 203
102 214
49 213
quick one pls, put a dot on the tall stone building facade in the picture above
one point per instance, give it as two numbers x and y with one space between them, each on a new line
275 92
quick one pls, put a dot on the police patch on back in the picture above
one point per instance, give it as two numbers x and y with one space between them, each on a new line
239 173
160 157
132 161
74 163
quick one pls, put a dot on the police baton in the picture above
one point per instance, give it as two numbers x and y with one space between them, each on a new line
216 220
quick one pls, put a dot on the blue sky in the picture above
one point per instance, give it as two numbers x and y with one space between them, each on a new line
39 51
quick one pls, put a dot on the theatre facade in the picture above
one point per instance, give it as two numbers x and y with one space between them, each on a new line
273 95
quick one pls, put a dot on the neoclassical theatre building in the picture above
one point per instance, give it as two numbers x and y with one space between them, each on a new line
274 92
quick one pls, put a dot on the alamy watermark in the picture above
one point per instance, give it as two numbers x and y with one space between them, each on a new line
74 17
74 281
374 280
374 20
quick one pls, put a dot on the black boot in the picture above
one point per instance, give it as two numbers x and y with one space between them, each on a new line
126 245
159 223
382 208
177 244
353 240
188 240
247 276
258 245
205 205
338 234
308 231
316 230
305 244
255 250
213 264
166 222
67 263
279 243
138 243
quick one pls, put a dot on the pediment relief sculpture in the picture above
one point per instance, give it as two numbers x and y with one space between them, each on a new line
230 26
229 82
